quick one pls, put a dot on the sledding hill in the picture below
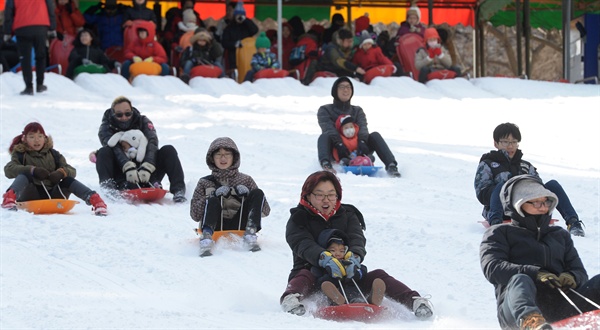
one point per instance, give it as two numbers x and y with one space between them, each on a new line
139 268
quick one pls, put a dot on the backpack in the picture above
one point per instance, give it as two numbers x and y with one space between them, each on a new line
297 55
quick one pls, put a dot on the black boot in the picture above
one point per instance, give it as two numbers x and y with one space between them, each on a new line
41 88
27 91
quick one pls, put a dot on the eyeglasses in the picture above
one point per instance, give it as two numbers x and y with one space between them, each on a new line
344 87
321 197
547 203
506 143
121 114
224 155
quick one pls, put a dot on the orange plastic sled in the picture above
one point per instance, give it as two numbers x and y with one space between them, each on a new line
47 206
222 233
350 312
144 194
149 68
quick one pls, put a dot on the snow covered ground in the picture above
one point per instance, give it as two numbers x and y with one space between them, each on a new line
139 267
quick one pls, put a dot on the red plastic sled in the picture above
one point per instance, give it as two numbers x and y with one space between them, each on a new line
588 321
408 45
350 312
144 194
207 71
60 50
378 71
271 73
487 225
441 74
47 206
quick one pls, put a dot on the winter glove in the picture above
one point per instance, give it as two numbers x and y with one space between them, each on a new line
363 148
238 44
438 51
224 191
137 59
431 52
131 174
52 34
342 151
6 37
57 175
333 266
549 279
145 171
85 61
352 265
39 173
149 59
567 281
241 190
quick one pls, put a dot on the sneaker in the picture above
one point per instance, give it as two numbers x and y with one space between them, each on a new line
534 321
291 304
377 292
27 91
392 171
9 200
41 88
332 292
179 197
422 308
575 227
326 165
98 205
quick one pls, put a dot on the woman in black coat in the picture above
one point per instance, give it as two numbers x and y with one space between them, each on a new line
87 52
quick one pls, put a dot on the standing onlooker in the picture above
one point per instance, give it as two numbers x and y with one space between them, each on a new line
69 19
139 11
342 91
239 28
32 21
108 22
224 21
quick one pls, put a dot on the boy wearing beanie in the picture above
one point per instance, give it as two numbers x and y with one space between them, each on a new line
263 59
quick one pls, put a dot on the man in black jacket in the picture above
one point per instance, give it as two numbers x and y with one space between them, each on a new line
117 171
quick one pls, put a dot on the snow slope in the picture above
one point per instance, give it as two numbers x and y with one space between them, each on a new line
139 268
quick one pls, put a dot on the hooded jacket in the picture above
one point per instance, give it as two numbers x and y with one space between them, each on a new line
111 125
31 158
337 59
92 52
525 246
208 54
147 47
229 176
370 58
328 114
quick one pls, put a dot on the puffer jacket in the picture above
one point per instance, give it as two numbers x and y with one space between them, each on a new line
111 125
422 60
264 61
304 227
68 18
212 52
371 58
147 47
229 176
32 158
525 246
337 60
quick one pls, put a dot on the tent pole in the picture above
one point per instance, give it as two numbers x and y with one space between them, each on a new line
349 16
430 11
279 34
519 26
527 33
566 31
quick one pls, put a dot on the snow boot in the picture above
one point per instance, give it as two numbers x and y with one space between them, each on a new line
98 205
9 200
250 239
332 292
41 88
534 321
27 91
291 304
326 165
574 226
206 244
422 308
377 292
392 171
179 197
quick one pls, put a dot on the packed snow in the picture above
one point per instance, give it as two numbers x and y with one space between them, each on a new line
139 267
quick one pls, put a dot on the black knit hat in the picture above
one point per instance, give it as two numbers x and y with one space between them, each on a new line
334 88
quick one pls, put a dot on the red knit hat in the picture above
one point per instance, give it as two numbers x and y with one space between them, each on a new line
431 33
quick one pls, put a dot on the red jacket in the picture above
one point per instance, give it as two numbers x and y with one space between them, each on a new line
371 58
350 143
68 22
22 13
147 47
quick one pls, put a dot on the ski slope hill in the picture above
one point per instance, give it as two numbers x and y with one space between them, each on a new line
139 266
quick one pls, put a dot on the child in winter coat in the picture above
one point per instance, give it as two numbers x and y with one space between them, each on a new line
204 51
87 56
263 59
368 55
433 56
41 172
145 48
412 24
334 242
348 129
227 199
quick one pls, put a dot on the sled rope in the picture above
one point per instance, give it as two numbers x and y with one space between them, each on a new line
343 291
359 290
585 298
569 300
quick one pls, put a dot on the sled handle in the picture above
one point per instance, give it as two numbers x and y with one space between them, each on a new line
343 292
569 300
359 290
47 193
585 298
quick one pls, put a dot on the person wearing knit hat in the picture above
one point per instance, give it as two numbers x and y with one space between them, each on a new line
496 166
263 58
203 51
188 22
412 24
342 91
533 265
368 55
239 13
433 56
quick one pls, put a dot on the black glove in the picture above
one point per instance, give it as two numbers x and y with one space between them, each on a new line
56 176
363 148
343 152
224 191
241 190
40 173
549 279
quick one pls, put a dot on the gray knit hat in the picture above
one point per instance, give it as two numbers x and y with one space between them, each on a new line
526 189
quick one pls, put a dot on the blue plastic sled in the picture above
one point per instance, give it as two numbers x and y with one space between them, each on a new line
362 170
